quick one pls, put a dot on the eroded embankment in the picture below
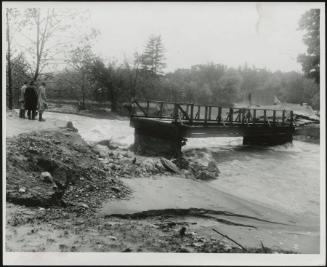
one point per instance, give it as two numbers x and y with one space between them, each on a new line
75 175
193 212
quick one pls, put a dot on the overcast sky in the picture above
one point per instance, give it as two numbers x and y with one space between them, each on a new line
263 34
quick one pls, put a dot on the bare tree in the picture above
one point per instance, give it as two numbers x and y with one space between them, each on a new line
79 60
46 29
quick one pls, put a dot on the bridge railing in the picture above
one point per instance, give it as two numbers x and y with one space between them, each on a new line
187 113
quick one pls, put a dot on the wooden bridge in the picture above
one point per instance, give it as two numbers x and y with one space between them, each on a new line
162 127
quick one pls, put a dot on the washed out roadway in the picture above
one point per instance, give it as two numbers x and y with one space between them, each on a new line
247 222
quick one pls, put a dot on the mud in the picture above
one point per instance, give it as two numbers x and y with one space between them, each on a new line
34 229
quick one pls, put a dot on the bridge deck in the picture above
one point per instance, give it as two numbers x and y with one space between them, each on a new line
168 127
198 120
199 113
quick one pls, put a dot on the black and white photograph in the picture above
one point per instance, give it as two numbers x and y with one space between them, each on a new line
163 133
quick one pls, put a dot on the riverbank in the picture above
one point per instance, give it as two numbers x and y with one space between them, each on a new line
93 110
95 221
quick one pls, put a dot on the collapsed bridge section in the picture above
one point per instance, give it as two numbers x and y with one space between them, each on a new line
163 127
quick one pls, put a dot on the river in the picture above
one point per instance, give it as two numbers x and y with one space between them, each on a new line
285 177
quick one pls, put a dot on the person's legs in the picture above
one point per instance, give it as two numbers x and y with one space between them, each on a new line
21 109
33 114
40 115
29 114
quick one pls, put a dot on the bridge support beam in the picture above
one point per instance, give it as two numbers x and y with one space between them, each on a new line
152 142
268 140
154 146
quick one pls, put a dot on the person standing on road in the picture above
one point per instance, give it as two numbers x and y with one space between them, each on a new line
21 101
31 98
42 101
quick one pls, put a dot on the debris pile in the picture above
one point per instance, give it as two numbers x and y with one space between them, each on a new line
123 163
50 168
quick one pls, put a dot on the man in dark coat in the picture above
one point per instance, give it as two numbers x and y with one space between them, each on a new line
31 99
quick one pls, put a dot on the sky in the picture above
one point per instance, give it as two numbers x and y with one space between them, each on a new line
264 34
261 34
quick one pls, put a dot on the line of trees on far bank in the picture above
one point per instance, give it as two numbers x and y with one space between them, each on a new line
89 77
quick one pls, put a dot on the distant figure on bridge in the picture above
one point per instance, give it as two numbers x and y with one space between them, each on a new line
31 99
42 101
21 101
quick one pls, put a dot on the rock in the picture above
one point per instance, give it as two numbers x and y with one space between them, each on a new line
63 247
206 175
127 250
33 150
46 177
170 166
201 239
188 174
197 244
101 150
112 237
182 231
109 143
212 167
202 172
83 205
70 126
149 165
159 166
184 250
22 190
182 163
193 234
115 189
196 167
127 155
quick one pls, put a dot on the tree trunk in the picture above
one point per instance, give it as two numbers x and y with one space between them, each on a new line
36 74
133 96
113 100
10 97
83 90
